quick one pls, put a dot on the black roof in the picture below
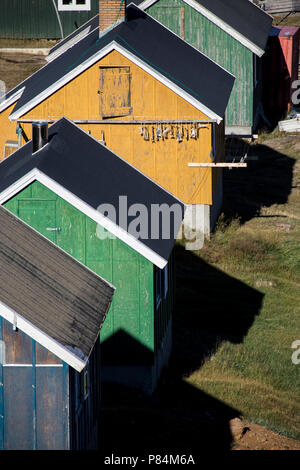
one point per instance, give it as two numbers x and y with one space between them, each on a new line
96 176
154 44
242 15
49 288
92 24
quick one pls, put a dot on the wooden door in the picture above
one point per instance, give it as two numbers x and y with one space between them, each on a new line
33 394
115 91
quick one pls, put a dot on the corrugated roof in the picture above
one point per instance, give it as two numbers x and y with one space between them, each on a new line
49 289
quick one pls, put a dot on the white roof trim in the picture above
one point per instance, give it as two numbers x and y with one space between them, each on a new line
96 57
217 21
11 100
42 338
37 175
70 43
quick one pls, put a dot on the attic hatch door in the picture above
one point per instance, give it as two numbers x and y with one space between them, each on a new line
115 93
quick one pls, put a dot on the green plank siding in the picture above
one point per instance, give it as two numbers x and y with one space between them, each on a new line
23 19
132 309
218 46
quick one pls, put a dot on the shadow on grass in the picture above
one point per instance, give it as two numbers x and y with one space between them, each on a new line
211 307
265 182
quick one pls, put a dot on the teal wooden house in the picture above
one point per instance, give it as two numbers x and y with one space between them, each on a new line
49 364
69 191
234 34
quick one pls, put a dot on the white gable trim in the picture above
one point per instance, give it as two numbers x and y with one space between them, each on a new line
217 21
98 56
11 100
130 240
42 338
171 85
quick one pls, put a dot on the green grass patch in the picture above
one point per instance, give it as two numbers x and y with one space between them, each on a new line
254 373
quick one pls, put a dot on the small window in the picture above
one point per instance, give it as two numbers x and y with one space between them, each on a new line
74 5
115 91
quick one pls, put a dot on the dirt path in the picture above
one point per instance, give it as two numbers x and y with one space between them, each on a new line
248 436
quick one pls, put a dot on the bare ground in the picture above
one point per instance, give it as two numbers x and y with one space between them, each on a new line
249 436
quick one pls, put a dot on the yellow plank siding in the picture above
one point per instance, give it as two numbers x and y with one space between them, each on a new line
165 161
7 129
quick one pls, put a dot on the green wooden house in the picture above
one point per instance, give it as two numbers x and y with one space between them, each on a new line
233 33
65 191
49 19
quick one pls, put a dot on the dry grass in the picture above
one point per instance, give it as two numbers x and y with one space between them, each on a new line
14 68
257 376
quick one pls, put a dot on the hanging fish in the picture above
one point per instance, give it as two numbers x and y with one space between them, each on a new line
152 135
193 133
178 135
146 133
165 132
187 133
172 135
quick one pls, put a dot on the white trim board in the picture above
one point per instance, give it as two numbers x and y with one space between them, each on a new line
42 338
95 58
217 21
11 100
37 175
67 44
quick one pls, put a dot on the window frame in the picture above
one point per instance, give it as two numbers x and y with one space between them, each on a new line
74 7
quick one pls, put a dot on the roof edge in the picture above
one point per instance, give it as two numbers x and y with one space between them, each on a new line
11 100
119 232
217 21
113 45
61 351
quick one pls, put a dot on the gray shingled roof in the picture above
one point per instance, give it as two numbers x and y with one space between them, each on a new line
49 288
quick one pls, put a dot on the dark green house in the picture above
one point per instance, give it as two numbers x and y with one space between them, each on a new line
49 19
66 191
233 33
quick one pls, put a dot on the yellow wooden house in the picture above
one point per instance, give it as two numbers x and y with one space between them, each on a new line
144 93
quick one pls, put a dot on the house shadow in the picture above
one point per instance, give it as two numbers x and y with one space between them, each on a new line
267 180
179 418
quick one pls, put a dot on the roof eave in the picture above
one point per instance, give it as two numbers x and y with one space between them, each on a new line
11 100
37 175
217 21
98 56
63 352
